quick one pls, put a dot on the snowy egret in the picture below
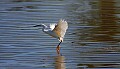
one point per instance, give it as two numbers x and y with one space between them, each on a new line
55 30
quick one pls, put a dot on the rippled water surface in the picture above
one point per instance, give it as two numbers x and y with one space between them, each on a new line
92 40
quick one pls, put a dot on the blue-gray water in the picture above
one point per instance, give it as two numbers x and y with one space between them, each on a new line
92 40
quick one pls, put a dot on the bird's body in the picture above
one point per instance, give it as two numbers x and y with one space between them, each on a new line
55 30
49 30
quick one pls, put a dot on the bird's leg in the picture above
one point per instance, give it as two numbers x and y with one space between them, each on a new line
58 48
60 43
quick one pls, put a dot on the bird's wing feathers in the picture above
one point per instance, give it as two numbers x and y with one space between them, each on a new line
52 26
60 28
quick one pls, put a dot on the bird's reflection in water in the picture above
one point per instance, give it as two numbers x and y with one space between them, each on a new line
60 62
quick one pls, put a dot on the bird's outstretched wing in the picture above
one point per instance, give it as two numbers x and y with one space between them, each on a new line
60 28
52 26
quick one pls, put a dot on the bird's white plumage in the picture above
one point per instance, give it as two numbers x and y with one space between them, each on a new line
52 26
60 28
56 30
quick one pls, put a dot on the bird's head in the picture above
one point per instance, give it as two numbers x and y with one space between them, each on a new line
60 39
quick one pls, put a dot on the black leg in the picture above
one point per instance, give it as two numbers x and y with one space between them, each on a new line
58 48
59 43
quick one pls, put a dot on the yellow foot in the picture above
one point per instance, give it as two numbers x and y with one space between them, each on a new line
58 49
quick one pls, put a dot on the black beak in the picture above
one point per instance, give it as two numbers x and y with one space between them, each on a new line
37 26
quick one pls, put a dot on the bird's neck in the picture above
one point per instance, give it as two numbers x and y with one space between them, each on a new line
44 26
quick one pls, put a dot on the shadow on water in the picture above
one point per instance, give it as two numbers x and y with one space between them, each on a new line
103 37
104 26
108 25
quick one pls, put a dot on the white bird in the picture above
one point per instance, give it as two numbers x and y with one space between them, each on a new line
56 30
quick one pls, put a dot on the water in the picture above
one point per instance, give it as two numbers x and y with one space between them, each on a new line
91 42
